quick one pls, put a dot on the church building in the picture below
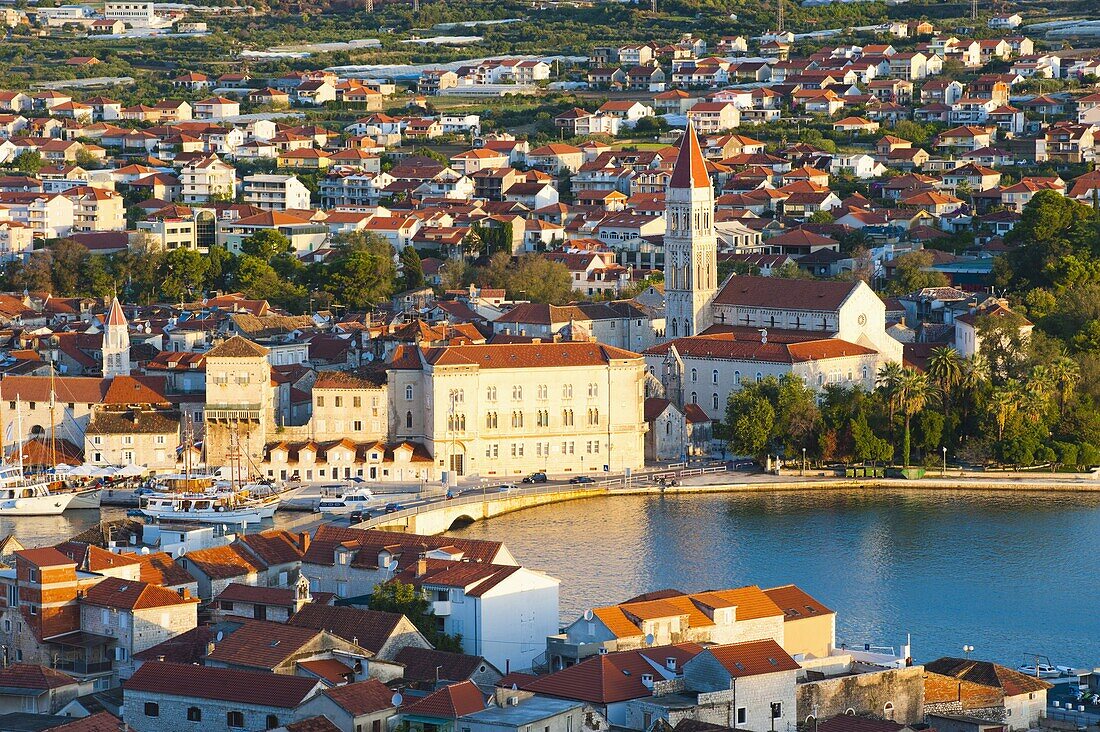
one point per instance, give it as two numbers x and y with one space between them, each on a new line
823 331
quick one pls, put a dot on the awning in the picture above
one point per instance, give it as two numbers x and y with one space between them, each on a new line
81 639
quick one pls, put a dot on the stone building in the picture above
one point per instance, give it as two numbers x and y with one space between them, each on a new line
240 404
510 409
984 690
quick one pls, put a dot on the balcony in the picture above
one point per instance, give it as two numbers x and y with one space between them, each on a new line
441 608
82 666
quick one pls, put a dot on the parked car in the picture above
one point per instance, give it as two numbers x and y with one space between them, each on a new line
538 477
581 479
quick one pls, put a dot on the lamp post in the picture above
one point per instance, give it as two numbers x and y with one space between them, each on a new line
803 462
967 650
943 471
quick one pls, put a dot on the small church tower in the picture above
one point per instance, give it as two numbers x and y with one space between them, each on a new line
691 250
116 343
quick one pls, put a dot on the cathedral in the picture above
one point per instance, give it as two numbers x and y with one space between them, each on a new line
720 335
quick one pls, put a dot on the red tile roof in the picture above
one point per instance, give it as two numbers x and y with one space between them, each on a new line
362 697
753 658
327 669
223 562
99 722
450 702
369 629
613 677
796 603
132 595
159 568
222 684
237 592
261 644
46 556
30 676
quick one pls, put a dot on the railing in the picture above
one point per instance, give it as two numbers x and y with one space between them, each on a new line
475 495
80 666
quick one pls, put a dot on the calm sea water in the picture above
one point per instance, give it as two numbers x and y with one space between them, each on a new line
1009 573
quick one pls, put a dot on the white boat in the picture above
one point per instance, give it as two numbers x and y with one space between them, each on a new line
234 507
355 500
1042 670
22 496
86 498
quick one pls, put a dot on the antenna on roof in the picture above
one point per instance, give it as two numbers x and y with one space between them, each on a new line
588 614
396 699
763 335
649 639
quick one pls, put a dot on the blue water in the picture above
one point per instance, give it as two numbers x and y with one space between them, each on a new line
1009 573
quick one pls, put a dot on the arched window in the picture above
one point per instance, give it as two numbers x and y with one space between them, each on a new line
491 393
675 330
714 401
408 420
694 398
714 376
408 393
194 714
668 428
694 376
759 376
888 710
737 378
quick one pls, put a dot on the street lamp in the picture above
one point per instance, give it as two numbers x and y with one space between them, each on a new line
967 650
943 471
803 461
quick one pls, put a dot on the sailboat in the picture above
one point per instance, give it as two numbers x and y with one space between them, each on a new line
81 498
21 495
232 502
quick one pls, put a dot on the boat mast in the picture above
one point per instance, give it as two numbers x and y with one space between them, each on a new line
52 454
19 433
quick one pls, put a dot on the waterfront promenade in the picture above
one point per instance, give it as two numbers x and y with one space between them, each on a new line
438 514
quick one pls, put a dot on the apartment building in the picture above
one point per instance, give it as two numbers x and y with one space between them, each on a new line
276 192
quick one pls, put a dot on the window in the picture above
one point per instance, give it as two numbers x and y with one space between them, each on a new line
742 715
491 420
356 402
567 418
517 392
321 401
234 719
714 401
694 398
408 420
566 392
888 710
517 419
152 709
194 714
491 393
337 402
272 721
543 391
409 393
694 375
777 710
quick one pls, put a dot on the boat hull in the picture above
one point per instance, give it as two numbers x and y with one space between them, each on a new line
86 499
249 514
51 505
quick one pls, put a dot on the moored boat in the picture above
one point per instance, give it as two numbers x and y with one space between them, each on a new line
352 500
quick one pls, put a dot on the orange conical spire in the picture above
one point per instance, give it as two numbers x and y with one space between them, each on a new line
115 316
690 170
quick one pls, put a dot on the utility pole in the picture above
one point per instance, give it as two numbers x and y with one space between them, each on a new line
973 9
779 16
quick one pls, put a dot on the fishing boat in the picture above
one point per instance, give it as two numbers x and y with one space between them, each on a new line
346 502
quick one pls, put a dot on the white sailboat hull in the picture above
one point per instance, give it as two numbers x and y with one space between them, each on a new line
47 505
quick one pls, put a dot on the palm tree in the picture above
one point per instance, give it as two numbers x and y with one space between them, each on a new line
945 367
1003 403
1066 373
914 390
1039 387
889 376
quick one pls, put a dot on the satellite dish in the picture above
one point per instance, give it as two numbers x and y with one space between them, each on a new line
219 636
649 639
145 550
588 614
396 699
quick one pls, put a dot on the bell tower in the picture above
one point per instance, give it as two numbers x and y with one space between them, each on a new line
116 343
691 250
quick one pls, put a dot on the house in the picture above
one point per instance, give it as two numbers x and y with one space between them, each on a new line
364 706
26 687
666 439
383 634
984 690
170 696
711 118
556 158
262 603
427 667
1005 21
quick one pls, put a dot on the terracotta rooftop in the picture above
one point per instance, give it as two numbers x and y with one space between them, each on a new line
222 684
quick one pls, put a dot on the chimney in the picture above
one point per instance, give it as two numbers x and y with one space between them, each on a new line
670 663
421 567
647 681
303 540
209 648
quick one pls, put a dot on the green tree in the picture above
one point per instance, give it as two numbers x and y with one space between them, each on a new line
911 273
404 599
184 273
412 270
540 280
1051 227
267 244
868 446
363 273
69 259
751 418
28 162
